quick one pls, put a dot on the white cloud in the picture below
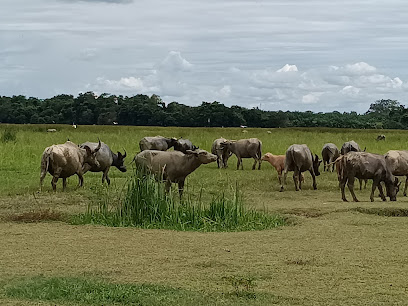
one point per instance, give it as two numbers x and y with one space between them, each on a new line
288 68
350 91
175 62
360 68
311 98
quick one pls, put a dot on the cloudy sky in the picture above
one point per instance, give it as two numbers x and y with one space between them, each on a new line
276 55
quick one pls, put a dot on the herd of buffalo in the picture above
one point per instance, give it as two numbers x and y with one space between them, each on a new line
65 160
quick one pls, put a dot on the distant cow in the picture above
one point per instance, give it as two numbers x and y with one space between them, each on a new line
245 148
221 151
106 159
352 146
173 166
299 159
367 166
380 137
65 160
330 152
51 130
278 162
157 143
183 145
397 162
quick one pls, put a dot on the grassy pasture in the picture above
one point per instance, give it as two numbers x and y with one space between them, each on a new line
335 253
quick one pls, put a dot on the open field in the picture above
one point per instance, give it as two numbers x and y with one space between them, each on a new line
333 254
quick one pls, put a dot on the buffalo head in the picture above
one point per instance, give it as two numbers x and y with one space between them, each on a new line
316 164
90 155
203 156
392 188
119 162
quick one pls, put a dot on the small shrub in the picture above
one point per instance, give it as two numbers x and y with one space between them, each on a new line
242 286
9 135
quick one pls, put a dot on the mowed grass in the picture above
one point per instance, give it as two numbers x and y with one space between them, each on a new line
335 253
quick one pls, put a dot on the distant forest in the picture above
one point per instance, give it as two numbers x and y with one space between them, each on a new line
89 108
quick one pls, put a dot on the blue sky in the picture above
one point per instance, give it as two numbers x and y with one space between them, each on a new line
277 55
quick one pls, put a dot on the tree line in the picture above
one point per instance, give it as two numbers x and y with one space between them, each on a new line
142 110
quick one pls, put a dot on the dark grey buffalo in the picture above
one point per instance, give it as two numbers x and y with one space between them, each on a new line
380 137
245 148
397 162
183 145
106 159
173 166
352 146
299 159
65 160
221 151
363 165
157 143
330 152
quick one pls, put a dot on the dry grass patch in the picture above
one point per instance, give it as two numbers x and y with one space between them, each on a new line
37 216
383 211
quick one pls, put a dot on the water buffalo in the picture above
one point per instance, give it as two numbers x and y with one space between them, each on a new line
278 162
330 152
67 159
221 151
299 158
106 159
173 166
380 137
352 146
183 145
157 143
245 148
367 166
397 162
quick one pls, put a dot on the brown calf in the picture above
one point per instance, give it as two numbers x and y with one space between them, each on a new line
278 162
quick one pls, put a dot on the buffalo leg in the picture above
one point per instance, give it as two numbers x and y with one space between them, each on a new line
299 177
373 188
350 185
239 162
283 181
259 163
324 166
80 179
380 189
405 188
54 182
295 181
313 178
342 184
43 174
167 186
105 176
181 188
255 162
55 178
64 183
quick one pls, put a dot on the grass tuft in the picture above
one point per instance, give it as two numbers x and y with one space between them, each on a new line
9 135
147 205
83 291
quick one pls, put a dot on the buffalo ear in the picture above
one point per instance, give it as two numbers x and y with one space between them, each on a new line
119 155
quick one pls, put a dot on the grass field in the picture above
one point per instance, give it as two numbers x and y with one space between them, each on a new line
333 253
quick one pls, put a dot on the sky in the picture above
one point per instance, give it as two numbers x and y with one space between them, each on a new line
292 55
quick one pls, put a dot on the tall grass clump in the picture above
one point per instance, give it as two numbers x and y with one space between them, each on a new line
146 205
9 135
